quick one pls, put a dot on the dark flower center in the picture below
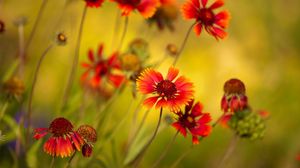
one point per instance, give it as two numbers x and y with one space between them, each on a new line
91 1
188 121
132 2
103 68
206 16
166 88
60 127
234 86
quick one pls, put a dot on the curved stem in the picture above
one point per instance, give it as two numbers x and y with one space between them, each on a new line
183 43
229 151
123 34
143 151
70 160
162 155
182 156
52 162
36 72
3 109
75 61
40 13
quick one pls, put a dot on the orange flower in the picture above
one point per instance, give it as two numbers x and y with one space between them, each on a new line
193 120
146 8
64 140
171 92
205 17
94 3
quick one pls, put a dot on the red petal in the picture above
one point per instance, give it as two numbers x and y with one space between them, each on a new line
205 118
172 73
179 128
195 140
224 120
204 2
198 28
219 33
222 19
217 4
100 51
190 9
91 55
149 102
85 65
197 109
148 7
116 80
161 104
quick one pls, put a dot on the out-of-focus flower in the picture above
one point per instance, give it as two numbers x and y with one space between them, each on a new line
130 62
205 17
139 47
1 136
172 50
63 141
61 38
14 88
298 157
2 26
94 3
169 92
194 120
100 70
146 8
165 15
89 135
234 98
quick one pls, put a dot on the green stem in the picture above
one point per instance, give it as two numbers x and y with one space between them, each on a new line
36 72
144 149
116 29
75 61
123 34
40 13
52 162
167 148
3 109
21 49
229 151
70 160
183 43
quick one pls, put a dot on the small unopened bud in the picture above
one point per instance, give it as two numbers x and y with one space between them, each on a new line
172 49
87 150
61 39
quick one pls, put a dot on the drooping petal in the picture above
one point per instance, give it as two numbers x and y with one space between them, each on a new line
149 102
195 140
197 109
198 28
179 128
217 4
100 51
190 9
218 33
91 55
222 19
148 7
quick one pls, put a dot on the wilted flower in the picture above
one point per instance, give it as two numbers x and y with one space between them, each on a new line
234 98
63 141
61 38
101 70
94 3
2 26
14 88
165 14
146 8
171 91
205 17
89 135
194 120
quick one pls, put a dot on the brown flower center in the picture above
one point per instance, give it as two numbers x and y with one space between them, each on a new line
60 127
166 89
88 133
206 16
234 86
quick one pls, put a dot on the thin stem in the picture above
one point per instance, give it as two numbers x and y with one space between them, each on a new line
229 151
52 162
183 43
123 34
70 160
3 109
116 29
75 61
162 155
36 72
40 13
143 151
182 156
21 49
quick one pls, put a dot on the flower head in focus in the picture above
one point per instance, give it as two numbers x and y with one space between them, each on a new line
206 18
169 92
193 120
63 141
100 70
94 3
89 135
146 8
165 15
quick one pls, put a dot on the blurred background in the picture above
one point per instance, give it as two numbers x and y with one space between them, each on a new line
262 50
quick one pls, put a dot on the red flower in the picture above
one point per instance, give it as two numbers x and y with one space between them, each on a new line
205 17
298 157
100 70
94 3
64 140
193 120
147 8
234 98
171 92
